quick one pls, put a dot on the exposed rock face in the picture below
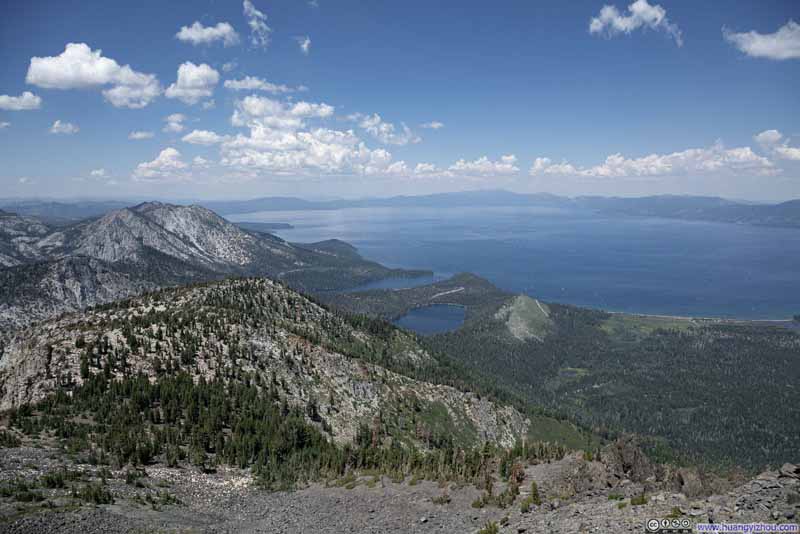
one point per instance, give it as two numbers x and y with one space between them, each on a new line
187 233
625 458
18 239
526 318
687 481
222 330
33 292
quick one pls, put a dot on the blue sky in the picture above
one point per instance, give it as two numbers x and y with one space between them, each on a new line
658 97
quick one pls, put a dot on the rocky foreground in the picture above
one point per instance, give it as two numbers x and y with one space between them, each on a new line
577 495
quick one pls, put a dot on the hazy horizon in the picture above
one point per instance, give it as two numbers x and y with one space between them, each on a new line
330 198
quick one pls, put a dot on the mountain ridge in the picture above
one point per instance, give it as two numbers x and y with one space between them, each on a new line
156 244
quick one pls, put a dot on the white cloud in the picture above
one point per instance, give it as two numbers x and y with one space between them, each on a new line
139 135
197 34
316 151
433 125
768 138
783 44
304 43
201 163
269 113
773 141
26 180
642 15
24 102
168 165
252 83
195 82
209 104
174 123
203 137
385 132
98 173
81 67
485 167
788 152
282 140
229 66
4 125
259 31
66 128
695 161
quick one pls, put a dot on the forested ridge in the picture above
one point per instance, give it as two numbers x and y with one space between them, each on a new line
723 393
251 374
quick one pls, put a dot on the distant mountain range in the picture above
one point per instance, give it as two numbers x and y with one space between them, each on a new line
700 208
715 209
49 270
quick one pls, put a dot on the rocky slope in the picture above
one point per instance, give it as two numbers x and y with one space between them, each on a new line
576 494
153 245
256 326
18 239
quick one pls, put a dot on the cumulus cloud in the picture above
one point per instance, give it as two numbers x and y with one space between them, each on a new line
174 123
433 125
715 159
304 43
611 22
768 138
284 138
319 150
139 135
259 31
195 82
197 34
483 166
229 66
4 124
201 163
252 83
783 44
98 173
774 142
203 137
209 104
274 114
66 128
167 165
24 102
80 67
385 132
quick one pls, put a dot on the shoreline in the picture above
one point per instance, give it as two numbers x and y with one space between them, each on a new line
701 318
786 321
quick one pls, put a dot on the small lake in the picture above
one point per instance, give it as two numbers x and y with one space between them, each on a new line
434 319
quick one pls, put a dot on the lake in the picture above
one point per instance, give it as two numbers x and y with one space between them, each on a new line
434 319
639 265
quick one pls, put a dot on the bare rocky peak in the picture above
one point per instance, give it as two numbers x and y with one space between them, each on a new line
205 230
188 233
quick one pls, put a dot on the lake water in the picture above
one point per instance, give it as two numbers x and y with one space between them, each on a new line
637 265
434 319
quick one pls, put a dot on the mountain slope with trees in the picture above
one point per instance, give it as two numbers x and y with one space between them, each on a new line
723 392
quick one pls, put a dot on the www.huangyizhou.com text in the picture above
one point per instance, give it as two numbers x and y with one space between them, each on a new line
746 527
